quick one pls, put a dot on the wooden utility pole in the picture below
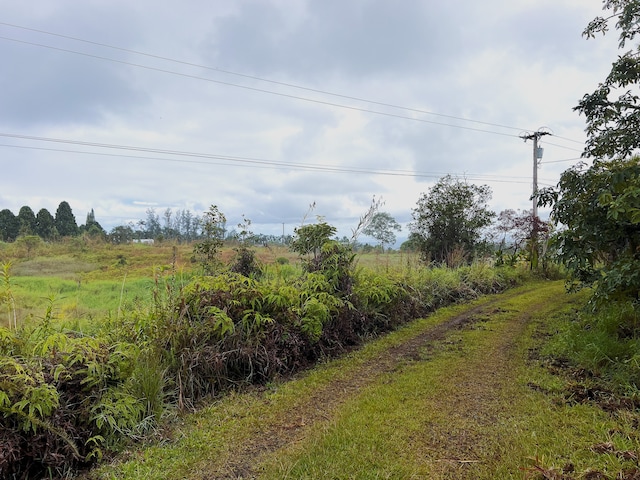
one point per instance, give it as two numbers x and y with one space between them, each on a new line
537 156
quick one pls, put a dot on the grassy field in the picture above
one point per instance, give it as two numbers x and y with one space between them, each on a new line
85 281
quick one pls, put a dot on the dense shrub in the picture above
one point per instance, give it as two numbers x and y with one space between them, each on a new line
63 399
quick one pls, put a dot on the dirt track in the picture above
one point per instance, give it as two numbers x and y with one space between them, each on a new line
451 446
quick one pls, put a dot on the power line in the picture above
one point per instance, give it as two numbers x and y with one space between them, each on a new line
252 77
565 160
364 110
245 161
260 90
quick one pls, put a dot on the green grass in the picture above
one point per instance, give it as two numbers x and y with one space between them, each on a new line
475 406
89 301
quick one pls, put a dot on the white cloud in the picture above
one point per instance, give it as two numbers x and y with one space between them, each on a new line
520 64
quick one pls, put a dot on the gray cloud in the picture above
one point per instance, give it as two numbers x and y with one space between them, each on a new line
520 64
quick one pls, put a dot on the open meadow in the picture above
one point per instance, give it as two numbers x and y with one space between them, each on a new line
84 281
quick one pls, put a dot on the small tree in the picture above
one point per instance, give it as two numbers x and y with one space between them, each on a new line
121 234
29 243
308 239
245 262
381 228
450 219
207 250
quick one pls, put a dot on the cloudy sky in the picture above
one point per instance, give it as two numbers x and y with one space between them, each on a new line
263 107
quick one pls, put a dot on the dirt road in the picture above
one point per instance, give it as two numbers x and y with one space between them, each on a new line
436 400
471 400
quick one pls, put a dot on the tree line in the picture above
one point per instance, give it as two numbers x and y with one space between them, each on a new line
45 225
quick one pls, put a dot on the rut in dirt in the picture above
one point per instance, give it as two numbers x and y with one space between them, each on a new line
322 404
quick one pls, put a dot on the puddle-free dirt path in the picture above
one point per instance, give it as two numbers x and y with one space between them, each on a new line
451 446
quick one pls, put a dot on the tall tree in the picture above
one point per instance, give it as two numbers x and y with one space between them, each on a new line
65 221
450 219
612 111
92 227
381 227
45 225
9 226
152 224
27 220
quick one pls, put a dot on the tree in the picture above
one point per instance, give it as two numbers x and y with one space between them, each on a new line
27 220
152 224
45 224
450 219
599 207
29 243
612 111
65 221
9 226
517 229
381 227
245 262
213 230
121 234
309 239
92 227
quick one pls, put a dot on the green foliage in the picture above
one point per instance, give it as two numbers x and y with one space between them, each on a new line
65 221
613 123
27 220
451 216
604 344
206 251
381 227
45 225
24 394
245 262
309 239
195 337
601 243
29 243
336 262
6 295
9 226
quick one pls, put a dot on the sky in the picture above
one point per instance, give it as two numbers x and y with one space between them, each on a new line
266 107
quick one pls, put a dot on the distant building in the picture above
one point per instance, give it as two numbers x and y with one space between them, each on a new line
144 241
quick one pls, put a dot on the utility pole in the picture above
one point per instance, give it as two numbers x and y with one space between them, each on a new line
537 156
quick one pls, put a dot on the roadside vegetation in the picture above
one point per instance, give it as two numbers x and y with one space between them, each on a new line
77 386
